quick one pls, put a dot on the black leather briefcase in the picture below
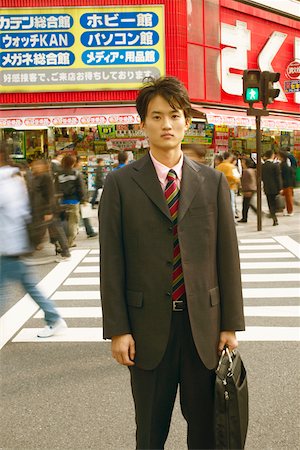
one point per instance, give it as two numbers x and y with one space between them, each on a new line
231 402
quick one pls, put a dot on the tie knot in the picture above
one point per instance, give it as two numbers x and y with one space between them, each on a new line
171 175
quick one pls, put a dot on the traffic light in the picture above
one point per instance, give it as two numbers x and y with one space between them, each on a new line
268 93
251 86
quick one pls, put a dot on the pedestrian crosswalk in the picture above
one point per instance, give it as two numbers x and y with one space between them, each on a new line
271 287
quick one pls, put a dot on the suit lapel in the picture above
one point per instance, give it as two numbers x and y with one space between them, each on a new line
191 182
145 176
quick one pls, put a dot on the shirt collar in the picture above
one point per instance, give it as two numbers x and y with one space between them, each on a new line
162 170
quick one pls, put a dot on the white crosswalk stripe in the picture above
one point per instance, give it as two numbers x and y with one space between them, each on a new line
258 288
268 261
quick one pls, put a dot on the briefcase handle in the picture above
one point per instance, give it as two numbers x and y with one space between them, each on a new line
230 356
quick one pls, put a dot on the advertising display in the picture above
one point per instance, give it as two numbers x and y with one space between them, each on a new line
259 42
72 73
233 37
77 49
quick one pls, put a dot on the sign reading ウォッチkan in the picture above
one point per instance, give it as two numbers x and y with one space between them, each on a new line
61 49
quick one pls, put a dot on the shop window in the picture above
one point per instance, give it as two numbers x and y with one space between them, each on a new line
195 21
16 143
196 71
36 144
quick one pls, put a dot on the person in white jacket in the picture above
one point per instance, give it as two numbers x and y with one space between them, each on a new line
14 242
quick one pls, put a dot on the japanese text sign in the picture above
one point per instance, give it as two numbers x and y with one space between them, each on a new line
68 49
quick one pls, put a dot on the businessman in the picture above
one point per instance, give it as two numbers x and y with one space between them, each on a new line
170 274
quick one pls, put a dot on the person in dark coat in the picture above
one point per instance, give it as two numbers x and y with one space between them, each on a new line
41 191
73 192
288 182
45 207
99 181
272 182
248 181
90 232
171 300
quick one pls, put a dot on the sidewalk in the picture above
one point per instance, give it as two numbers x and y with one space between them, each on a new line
287 225
47 254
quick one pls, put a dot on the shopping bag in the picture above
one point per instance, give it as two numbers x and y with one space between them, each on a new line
280 203
86 211
231 402
99 194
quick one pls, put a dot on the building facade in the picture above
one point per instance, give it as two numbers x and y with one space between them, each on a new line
69 72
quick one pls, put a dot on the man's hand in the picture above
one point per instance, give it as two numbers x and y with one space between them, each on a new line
123 349
229 339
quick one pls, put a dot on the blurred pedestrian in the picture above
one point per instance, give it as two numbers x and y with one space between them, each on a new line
45 209
41 193
122 160
237 172
230 171
56 163
218 159
288 182
171 299
291 160
248 182
272 182
90 232
99 181
14 242
196 152
71 186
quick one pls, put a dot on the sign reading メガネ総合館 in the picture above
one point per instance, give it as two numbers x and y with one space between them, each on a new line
99 48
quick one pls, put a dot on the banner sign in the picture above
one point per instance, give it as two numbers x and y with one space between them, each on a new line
79 49
291 86
249 121
67 121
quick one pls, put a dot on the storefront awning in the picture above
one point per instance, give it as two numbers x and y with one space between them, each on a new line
68 117
240 118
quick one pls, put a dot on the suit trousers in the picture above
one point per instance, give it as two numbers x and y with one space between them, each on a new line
271 199
154 392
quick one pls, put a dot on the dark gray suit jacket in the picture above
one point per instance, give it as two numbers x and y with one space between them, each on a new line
136 251
271 177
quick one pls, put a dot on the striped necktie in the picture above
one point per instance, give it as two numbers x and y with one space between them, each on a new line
172 194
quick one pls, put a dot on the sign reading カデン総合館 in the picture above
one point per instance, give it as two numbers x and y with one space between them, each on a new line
68 49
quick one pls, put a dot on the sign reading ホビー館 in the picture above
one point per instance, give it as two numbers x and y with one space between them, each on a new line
61 49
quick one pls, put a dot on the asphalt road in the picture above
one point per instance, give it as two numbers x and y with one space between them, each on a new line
72 395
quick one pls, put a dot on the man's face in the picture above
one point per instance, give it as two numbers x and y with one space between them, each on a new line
164 126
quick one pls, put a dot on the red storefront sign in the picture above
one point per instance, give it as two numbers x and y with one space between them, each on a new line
252 38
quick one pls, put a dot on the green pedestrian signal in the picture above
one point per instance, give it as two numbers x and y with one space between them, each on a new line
252 94
251 86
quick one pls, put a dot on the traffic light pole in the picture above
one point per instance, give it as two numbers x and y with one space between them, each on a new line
258 87
258 171
258 113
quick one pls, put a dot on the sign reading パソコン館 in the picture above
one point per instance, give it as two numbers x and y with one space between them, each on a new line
61 49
